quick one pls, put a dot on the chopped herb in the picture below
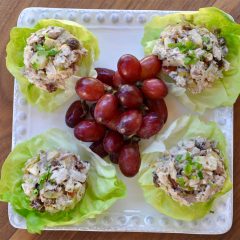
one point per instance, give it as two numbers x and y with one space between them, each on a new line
198 166
190 59
181 181
53 52
174 45
206 39
183 47
187 60
200 174
188 156
40 48
188 169
44 177
43 50
35 191
179 158
35 66
191 45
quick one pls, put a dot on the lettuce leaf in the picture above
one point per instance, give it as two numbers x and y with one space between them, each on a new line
183 128
103 187
225 91
49 101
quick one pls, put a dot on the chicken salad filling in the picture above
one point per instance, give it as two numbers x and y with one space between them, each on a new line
192 56
193 171
51 56
55 180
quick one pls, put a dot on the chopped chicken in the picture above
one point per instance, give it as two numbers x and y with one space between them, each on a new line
51 57
193 171
55 180
194 56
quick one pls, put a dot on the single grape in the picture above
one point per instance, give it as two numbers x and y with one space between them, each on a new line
130 122
129 159
89 131
129 68
151 125
105 75
98 148
113 142
130 96
89 89
118 80
154 89
151 66
106 108
160 107
75 113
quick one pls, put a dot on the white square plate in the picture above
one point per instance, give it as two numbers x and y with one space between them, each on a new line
119 32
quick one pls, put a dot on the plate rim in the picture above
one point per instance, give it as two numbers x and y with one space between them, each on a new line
134 11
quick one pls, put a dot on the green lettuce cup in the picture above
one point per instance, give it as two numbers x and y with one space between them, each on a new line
185 127
224 91
102 191
44 100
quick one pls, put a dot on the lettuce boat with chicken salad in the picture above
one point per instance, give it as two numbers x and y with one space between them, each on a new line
186 168
200 56
47 59
52 180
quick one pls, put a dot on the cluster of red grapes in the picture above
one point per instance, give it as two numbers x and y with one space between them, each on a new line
125 106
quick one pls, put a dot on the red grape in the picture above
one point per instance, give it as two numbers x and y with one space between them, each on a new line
154 89
129 160
89 89
151 124
89 131
118 80
129 68
106 108
75 113
151 66
113 123
130 122
114 157
105 75
130 96
160 107
98 148
113 142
